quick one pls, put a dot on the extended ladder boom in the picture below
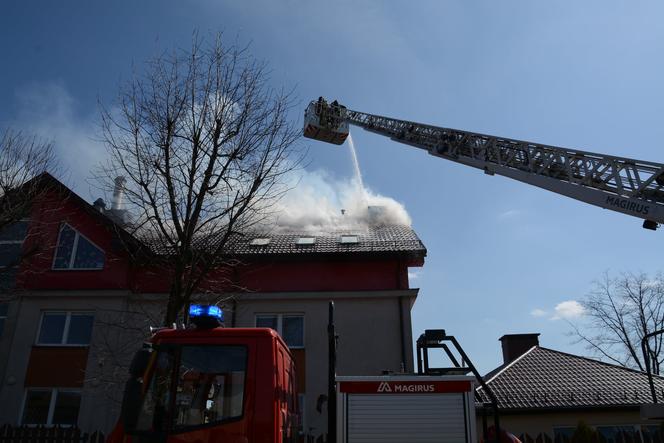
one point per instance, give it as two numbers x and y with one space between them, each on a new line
633 187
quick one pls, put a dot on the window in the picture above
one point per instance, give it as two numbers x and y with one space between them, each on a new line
303 241
289 326
51 407
348 239
260 242
210 384
74 251
4 307
65 328
11 243
209 389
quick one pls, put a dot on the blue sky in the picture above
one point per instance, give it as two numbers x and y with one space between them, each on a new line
576 74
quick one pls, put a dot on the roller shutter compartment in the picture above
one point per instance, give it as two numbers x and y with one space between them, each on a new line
412 418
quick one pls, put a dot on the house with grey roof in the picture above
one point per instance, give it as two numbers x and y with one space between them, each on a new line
541 390
81 306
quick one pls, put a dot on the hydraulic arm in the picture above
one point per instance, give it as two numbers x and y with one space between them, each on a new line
633 187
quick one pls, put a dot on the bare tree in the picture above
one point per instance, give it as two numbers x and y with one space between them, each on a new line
619 312
23 158
203 143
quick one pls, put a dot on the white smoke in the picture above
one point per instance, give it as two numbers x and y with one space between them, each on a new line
319 202
316 202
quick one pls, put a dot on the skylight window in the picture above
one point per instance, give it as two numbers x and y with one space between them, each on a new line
74 251
348 239
306 241
260 242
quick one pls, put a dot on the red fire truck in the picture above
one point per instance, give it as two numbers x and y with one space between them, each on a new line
210 384
237 385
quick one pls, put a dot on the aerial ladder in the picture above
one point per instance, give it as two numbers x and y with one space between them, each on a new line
633 187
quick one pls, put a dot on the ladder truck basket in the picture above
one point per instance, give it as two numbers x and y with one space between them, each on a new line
326 122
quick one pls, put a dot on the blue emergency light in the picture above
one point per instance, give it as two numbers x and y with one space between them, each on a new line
206 316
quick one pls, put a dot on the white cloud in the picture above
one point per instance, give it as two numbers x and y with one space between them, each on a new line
537 312
568 310
413 275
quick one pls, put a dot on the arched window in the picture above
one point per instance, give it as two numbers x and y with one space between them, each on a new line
74 251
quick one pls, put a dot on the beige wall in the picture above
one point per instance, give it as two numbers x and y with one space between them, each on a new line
369 337
94 398
533 424
367 323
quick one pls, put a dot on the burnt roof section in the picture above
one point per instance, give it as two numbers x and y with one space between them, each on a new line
547 379
390 239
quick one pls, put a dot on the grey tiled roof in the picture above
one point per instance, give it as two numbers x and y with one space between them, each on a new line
372 239
544 378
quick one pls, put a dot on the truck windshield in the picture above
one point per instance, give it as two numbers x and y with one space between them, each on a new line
208 387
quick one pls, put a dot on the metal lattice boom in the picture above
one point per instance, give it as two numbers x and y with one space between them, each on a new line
633 187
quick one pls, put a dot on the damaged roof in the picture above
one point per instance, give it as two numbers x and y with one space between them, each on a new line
368 239
390 239
543 378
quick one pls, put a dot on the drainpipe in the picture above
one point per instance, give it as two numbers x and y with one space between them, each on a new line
402 334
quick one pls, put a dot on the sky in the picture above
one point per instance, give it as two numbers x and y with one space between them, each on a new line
503 257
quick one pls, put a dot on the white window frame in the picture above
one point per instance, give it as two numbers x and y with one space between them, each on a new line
16 242
71 267
305 241
349 239
65 331
51 406
280 317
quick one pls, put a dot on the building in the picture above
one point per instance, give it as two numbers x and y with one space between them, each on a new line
541 390
80 308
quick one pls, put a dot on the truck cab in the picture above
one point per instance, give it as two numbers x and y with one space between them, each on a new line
231 385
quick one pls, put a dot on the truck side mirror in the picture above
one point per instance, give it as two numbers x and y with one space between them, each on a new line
131 400
131 404
140 363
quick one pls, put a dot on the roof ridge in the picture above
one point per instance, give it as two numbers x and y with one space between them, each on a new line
510 364
592 360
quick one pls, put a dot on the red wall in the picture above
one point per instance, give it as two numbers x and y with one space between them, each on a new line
297 274
36 271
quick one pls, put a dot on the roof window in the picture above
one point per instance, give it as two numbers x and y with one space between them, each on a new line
260 241
305 241
348 239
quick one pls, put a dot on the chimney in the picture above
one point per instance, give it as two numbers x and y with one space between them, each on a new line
118 192
515 345
99 205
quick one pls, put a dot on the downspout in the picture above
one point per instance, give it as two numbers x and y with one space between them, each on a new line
402 334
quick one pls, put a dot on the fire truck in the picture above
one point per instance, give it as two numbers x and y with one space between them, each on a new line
210 384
